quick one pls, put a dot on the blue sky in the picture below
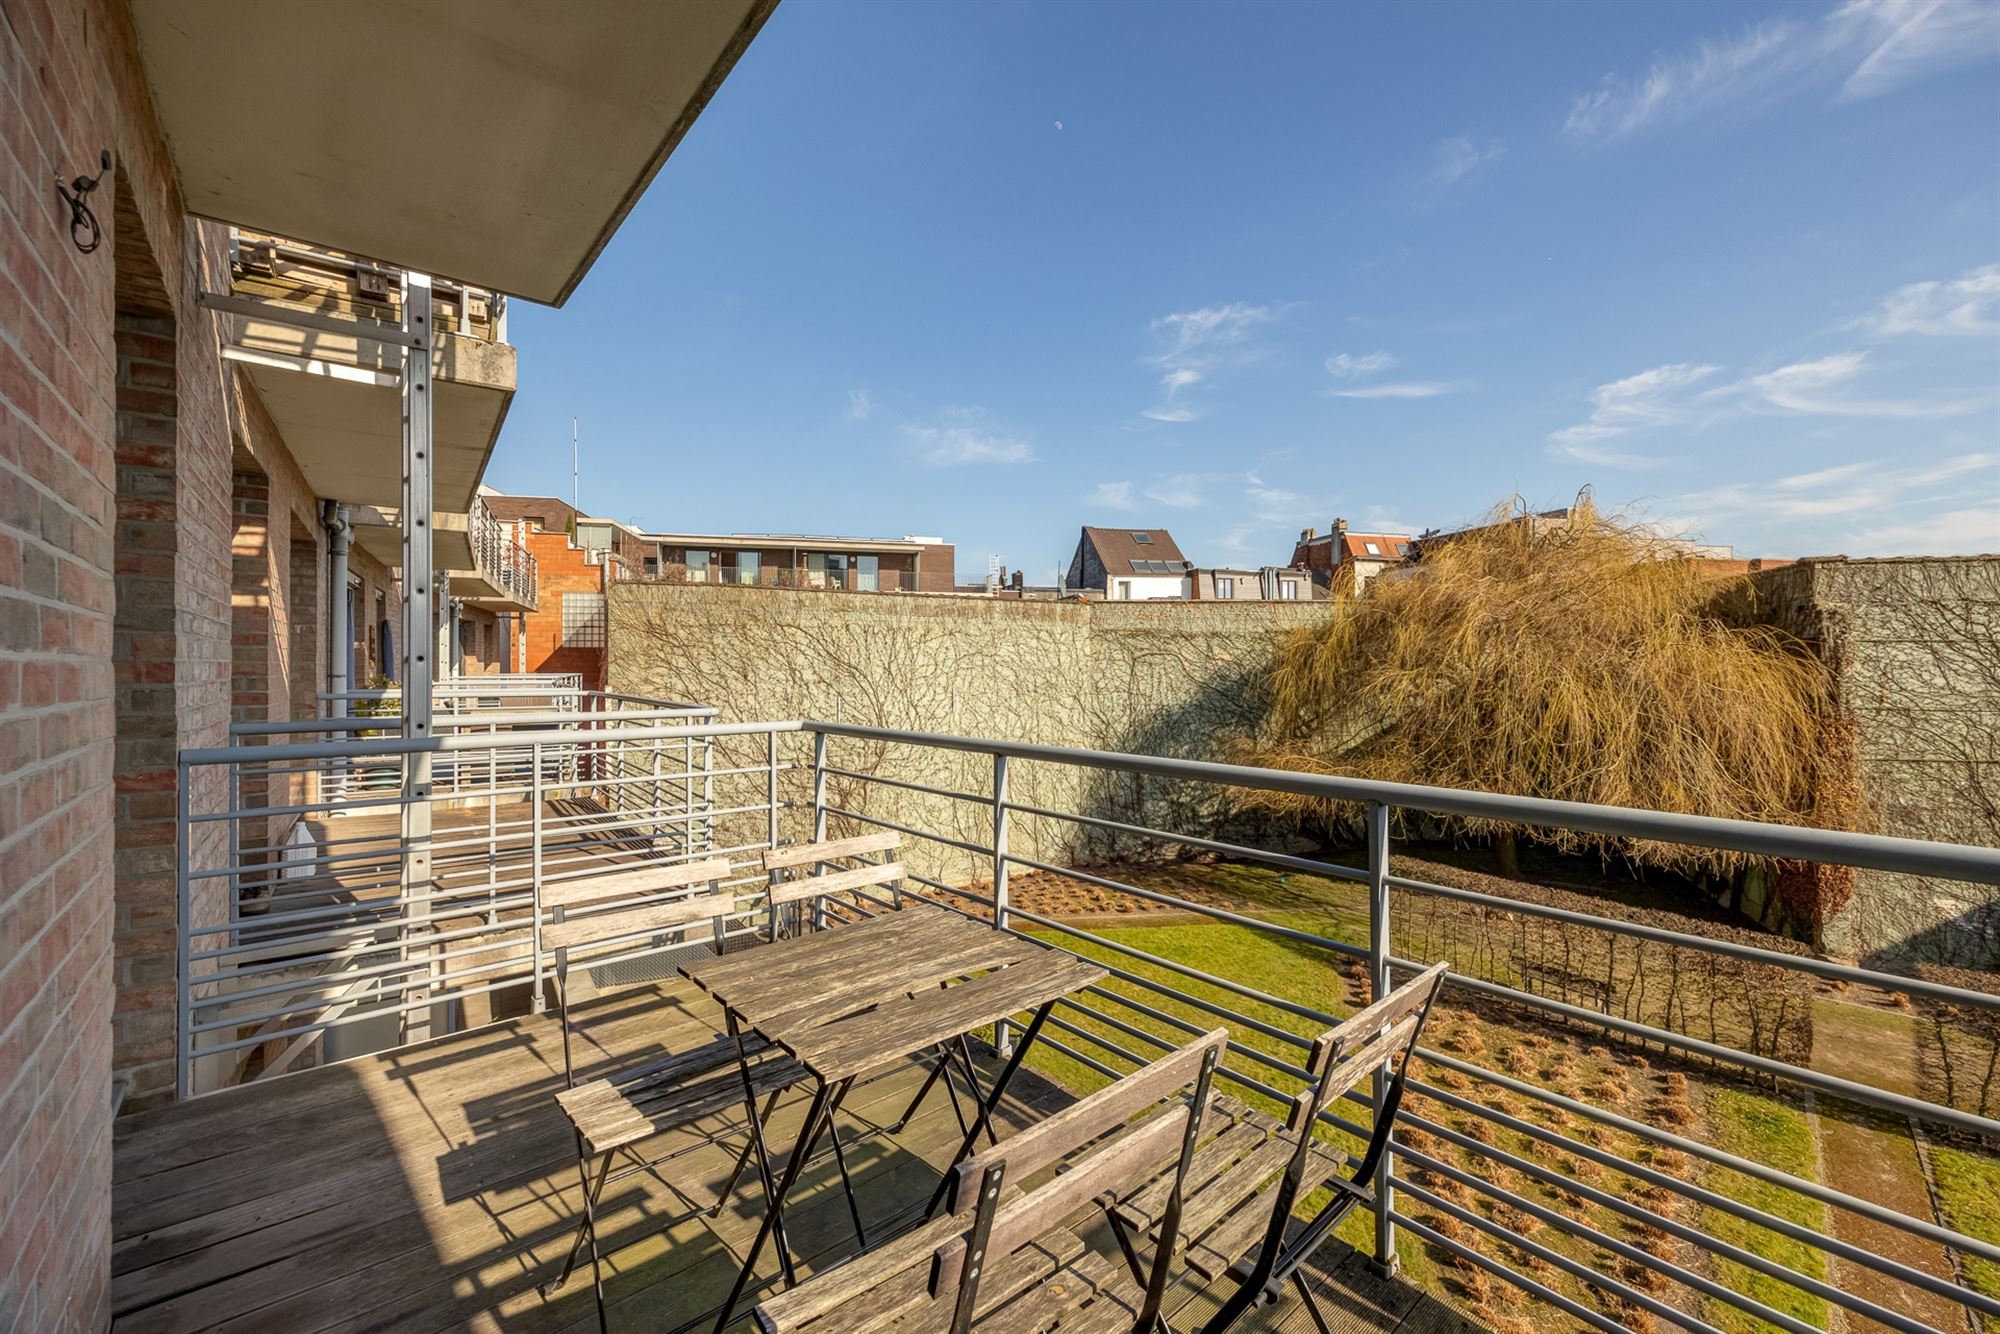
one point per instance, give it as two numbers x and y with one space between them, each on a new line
991 272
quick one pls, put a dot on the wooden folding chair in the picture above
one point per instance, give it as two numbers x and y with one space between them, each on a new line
1247 1180
820 872
628 912
1005 1262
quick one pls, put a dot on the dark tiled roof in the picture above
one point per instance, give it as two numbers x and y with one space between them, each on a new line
1120 548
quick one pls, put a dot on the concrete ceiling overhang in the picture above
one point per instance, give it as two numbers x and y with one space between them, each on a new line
379 532
338 403
494 142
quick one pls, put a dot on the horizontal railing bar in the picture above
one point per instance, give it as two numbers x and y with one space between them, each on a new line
958 843
908 786
1264 1058
1749 1167
1625 1250
1574 1268
1306 865
1249 993
1749 1213
1189 905
1508 1274
443 745
1804 963
1865 1094
1871 851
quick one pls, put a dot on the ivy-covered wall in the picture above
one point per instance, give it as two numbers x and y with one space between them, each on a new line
1177 679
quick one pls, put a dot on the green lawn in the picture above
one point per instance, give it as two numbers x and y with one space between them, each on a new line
1778 1135
1968 1184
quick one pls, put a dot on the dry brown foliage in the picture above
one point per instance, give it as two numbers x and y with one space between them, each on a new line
1519 1060
1580 660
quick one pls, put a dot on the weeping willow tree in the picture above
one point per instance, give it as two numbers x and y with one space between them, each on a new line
1576 658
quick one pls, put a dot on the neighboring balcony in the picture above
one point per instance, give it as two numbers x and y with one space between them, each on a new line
487 567
335 396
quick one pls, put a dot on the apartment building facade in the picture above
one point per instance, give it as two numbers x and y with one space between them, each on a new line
779 560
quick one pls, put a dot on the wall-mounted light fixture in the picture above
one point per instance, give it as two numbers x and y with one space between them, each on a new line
83 228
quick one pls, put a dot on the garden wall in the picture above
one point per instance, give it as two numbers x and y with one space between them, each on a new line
1914 647
1173 679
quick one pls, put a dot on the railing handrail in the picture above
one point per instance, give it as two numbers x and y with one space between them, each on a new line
1877 852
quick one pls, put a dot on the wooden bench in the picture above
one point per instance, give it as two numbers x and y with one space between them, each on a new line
1004 1261
1245 1182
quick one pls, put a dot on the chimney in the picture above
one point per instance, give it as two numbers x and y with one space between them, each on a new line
1339 529
1308 534
1020 580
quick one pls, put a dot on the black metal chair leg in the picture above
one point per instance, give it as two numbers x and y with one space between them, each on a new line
988 1107
847 1184
1125 1244
588 1223
1311 1304
972 1078
743 1159
825 1101
930 1080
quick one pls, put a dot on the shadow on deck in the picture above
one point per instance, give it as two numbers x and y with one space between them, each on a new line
434 1187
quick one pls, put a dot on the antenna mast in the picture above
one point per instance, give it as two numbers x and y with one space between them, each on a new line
575 461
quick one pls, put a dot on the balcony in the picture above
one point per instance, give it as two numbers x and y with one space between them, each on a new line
1572 1153
487 566
315 330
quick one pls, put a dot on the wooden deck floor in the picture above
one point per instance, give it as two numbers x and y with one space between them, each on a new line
434 1187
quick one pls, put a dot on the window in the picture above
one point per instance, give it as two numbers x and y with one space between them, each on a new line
1122 591
1143 539
697 567
1225 588
652 565
749 567
594 536
1402 548
583 620
1372 549
1288 590
868 573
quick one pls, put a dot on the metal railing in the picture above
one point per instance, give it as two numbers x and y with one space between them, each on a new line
1154 1000
501 560
1605 1211
297 921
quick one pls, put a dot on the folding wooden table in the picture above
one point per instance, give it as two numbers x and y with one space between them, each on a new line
854 999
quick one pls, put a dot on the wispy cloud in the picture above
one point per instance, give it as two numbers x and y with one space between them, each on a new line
1455 159
1810 506
960 436
1182 491
1191 345
1650 398
1823 387
1865 47
1346 366
1969 304
1111 496
860 407
1193 335
1406 389
1971 531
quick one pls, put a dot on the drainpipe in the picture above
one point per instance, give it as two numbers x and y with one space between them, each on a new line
338 630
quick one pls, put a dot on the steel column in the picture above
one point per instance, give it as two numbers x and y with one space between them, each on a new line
419 621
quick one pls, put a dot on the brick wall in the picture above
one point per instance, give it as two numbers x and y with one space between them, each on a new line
562 569
70 85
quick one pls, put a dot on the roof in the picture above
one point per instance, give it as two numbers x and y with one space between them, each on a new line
803 541
1355 546
1121 551
513 509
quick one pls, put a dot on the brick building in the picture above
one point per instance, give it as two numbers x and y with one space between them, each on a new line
174 455
778 560
1346 559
